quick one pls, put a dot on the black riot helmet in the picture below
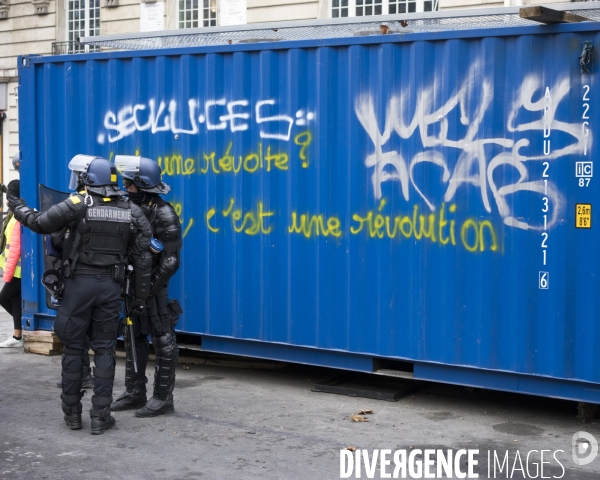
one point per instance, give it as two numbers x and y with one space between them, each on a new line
97 174
142 172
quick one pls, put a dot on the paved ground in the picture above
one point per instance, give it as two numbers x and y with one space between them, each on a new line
233 423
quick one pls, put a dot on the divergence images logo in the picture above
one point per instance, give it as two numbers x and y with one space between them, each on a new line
585 448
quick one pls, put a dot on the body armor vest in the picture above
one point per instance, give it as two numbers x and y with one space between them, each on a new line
104 232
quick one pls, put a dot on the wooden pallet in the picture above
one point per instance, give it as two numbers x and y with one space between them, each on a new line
42 343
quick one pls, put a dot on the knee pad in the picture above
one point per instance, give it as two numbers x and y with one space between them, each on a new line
72 354
164 345
105 357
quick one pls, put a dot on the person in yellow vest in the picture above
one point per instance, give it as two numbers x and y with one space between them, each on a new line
10 262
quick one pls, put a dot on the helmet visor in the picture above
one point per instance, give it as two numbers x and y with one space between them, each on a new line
129 164
73 180
77 165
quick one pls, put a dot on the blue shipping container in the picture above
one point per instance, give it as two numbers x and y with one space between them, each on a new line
423 203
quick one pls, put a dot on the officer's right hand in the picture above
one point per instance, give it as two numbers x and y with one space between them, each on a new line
137 305
13 201
19 207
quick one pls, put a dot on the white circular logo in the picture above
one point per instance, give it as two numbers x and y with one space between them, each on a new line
584 448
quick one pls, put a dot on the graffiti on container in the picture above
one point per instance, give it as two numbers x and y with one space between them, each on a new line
197 117
315 225
250 222
475 235
477 155
260 159
178 207
440 227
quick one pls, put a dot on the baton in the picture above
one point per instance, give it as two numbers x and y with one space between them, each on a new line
128 320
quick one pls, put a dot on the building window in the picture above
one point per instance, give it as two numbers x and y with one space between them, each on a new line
84 19
339 8
364 8
368 7
197 13
403 6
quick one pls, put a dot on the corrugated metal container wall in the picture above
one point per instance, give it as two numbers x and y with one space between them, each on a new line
411 198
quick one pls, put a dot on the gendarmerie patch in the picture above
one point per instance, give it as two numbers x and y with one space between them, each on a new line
109 214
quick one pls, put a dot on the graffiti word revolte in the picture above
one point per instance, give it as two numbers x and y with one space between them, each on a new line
258 160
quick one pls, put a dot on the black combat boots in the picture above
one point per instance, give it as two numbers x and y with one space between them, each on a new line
129 400
156 406
72 415
102 420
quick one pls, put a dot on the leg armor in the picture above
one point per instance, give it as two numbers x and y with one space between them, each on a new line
135 383
167 354
103 339
104 374
162 319
72 361
165 345
87 380
71 386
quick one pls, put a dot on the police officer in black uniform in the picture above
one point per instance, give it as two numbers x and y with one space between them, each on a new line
142 179
105 233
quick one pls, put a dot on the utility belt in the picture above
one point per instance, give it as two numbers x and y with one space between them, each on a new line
54 280
116 272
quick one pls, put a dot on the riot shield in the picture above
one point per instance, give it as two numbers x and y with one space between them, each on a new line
49 197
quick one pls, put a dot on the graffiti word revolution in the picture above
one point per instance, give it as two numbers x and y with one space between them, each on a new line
441 227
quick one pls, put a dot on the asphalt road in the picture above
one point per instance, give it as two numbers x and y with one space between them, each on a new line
235 423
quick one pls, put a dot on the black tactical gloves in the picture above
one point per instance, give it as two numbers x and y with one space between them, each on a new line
19 208
137 305
14 202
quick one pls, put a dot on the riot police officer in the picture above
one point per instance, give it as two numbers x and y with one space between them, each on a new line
105 233
142 179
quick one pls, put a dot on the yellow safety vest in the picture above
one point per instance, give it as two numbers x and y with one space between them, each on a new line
8 233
